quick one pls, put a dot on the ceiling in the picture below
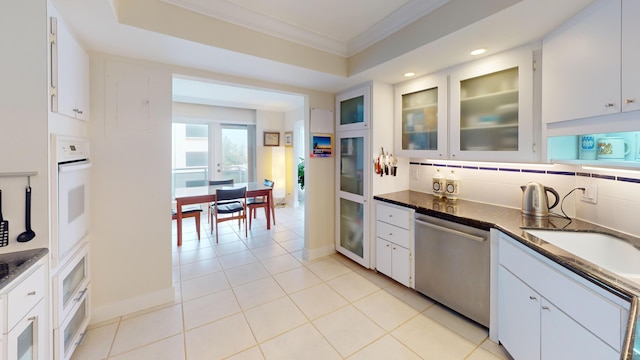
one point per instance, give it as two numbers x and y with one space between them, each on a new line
324 45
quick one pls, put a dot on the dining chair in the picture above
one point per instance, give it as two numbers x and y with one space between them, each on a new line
217 182
261 202
193 211
230 202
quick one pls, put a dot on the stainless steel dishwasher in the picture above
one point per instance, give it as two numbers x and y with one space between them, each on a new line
452 266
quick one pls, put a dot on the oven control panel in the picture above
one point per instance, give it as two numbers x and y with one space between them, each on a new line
71 149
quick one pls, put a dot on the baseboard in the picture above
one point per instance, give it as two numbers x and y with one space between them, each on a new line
312 254
111 311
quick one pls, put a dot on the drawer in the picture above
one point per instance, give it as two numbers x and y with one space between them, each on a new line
583 304
394 216
394 234
25 296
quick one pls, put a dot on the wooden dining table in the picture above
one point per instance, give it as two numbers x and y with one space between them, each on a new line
207 194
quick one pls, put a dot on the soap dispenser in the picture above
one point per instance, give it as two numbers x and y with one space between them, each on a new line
452 189
438 184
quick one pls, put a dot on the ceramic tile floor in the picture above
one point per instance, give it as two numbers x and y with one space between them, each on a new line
256 298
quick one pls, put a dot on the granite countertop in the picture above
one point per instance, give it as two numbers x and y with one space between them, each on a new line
15 263
513 223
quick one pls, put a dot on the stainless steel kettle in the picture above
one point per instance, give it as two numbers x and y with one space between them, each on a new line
535 201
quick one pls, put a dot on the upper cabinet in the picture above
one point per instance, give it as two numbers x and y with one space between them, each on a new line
591 63
421 117
353 109
69 71
491 116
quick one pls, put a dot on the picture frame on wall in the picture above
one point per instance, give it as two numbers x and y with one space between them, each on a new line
271 138
321 145
288 138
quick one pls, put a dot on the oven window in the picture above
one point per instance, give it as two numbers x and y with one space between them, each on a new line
76 203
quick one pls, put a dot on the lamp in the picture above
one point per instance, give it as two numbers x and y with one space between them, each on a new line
278 172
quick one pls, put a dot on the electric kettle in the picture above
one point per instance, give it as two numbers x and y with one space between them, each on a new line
535 201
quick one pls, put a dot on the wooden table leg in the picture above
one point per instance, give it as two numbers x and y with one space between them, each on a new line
269 200
179 222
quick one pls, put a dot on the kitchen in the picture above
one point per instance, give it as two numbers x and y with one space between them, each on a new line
142 141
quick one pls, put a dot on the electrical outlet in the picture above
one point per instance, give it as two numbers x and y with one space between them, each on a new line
590 194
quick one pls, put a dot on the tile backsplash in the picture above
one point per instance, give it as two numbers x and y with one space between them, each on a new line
618 199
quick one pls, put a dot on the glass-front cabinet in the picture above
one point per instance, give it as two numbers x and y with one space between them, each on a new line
352 209
421 118
353 109
491 114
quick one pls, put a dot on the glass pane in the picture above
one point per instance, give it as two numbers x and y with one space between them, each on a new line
351 111
71 283
420 120
74 326
189 160
25 343
489 112
351 226
352 165
234 154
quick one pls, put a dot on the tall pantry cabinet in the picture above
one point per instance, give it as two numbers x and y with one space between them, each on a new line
364 129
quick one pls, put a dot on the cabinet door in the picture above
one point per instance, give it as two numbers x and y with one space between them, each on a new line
492 109
421 118
73 74
28 340
581 65
630 55
383 256
563 338
352 109
400 268
518 317
352 209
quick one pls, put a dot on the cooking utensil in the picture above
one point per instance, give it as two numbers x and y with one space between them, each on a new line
28 234
535 201
4 227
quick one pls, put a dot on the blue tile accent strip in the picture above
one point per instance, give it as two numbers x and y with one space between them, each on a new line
534 171
569 173
607 177
626 179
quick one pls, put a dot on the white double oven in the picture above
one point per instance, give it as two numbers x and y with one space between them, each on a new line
69 246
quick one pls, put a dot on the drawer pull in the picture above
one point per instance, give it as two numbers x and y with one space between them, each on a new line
532 298
82 337
390 234
81 295
545 308
608 105
31 293
629 101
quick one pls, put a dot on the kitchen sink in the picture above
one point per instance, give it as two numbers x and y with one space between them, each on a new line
607 251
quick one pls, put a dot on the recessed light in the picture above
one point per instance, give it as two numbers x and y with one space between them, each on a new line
409 74
478 51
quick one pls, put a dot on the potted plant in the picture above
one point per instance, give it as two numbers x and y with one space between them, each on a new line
301 174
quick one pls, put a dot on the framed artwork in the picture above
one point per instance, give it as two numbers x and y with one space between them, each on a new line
271 138
321 145
288 138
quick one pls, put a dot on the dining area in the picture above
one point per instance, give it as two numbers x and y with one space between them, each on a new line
225 201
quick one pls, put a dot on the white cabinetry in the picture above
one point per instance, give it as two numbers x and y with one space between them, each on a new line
491 115
394 242
24 315
546 312
69 71
590 64
421 117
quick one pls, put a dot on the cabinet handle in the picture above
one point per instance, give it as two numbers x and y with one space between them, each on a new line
532 298
82 337
81 295
32 319
31 293
80 112
545 308
609 105
390 234
629 101
394 248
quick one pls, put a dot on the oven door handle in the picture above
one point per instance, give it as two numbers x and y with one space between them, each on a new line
81 165
451 231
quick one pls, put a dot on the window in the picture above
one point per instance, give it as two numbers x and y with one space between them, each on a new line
195 158
196 130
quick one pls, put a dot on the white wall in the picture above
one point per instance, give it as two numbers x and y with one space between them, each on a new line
271 121
131 241
24 135
618 201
